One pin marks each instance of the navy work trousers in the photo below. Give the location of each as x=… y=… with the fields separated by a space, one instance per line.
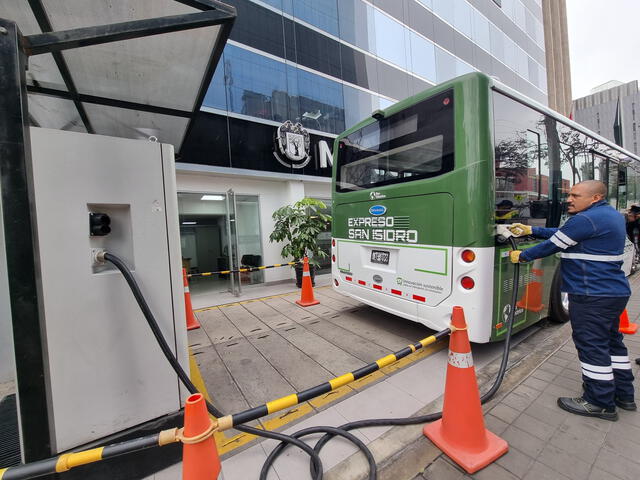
x=606 y=371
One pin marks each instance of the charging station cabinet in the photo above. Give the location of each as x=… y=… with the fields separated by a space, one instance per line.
x=104 y=371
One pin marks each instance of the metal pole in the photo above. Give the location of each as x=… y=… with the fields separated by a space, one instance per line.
x=21 y=246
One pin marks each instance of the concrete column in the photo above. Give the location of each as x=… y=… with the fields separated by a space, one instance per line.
x=556 y=37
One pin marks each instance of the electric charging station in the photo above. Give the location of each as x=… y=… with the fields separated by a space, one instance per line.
x=87 y=365
x=104 y=371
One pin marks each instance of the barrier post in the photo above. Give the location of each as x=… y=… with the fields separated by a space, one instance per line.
x=200 y=460
x=192 y=323
x=461 y=433
x=627 y=327
x=306 y=296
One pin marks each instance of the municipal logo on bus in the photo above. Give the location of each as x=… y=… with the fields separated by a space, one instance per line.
x=293 y=145
x=378 y=210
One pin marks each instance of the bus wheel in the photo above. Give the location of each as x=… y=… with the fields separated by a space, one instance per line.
x=558 y=301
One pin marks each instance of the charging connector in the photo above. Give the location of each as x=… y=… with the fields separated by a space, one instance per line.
x=503 y=234
x=97 y=257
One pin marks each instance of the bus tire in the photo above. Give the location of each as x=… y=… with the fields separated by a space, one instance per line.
x=558 y=310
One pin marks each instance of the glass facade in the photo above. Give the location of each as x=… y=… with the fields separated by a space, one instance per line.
x=329 y=63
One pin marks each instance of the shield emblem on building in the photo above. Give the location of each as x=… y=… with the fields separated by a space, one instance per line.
x=292 y=145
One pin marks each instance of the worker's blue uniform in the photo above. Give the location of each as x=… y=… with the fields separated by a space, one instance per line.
x=591 y=245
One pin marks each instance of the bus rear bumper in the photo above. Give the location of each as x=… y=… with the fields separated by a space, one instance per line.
x=437 y=318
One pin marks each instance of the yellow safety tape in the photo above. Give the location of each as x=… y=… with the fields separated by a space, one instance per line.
x=69 y=460
x=331 y=396
x=207 y=274
x=341 y=380
x=282 y=403
x=384 y=361
x=287 y=416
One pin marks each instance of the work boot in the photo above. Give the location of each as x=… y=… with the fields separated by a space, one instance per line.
x=626 y=404
x=580 y=406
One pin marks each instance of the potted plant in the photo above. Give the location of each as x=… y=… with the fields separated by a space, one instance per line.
x=298 y=226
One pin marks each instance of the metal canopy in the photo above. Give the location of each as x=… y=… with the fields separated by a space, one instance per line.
x=130 y=87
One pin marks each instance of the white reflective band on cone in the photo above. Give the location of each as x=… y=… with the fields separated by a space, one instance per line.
x=306 y=274
x=460 y=360
x=186 y=289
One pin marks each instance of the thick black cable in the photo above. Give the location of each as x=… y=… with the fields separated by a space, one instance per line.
x=330 y=432
x=166 y=350
x=432 y=416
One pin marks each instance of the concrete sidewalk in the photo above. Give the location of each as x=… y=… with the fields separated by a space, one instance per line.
x=546 y=442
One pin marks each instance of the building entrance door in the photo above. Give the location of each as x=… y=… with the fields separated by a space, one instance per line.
x=232 y=243
x=219 y=232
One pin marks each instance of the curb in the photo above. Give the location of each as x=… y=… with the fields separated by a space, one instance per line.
x=404 y=452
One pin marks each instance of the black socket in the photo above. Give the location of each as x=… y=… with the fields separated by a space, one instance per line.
x=99 y=224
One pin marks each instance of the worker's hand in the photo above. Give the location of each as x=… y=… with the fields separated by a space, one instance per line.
x=514 y=256
x=519 y=229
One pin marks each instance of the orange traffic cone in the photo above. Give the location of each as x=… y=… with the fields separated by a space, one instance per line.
x=626 y=326
x=200 y=459
x=532 y=298
x=461 y=433
x=306 y=296
x=192 y=323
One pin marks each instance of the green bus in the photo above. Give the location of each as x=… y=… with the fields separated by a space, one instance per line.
x=420 y=189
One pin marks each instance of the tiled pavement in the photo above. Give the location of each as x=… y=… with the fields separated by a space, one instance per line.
x=546 y=442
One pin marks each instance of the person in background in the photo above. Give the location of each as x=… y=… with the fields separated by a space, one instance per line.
x=633 y=223
x=591 y=244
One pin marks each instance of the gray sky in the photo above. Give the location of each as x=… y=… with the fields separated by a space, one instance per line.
x=604 y=42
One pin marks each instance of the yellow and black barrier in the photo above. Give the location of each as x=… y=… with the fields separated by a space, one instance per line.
x=67 y=461
x=242 y=270
x=230 y=421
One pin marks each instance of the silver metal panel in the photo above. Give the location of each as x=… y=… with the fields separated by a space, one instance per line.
x=141 y=70
x=41 y=68
x=104 y=369
x=161 y=71
x=55 y=113
x=120 y=122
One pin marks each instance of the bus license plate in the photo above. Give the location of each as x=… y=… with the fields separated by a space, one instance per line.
x=380 y=256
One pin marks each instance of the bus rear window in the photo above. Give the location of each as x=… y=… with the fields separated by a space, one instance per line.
x=412 y=144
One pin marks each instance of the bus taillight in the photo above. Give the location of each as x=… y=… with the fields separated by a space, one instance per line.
x=333 y=257
x=468 y=256
x=467 y=283
x=335 y=280
x=333 y=242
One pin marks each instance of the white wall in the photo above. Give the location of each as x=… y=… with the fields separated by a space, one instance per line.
x=272 y=194
x=317 y=190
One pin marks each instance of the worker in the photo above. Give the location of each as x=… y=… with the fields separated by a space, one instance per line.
x=591 y=245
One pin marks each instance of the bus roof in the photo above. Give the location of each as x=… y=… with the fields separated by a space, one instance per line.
x=515 y=95
x=508 y=91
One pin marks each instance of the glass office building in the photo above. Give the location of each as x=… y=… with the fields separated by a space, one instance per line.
x=324 y=65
